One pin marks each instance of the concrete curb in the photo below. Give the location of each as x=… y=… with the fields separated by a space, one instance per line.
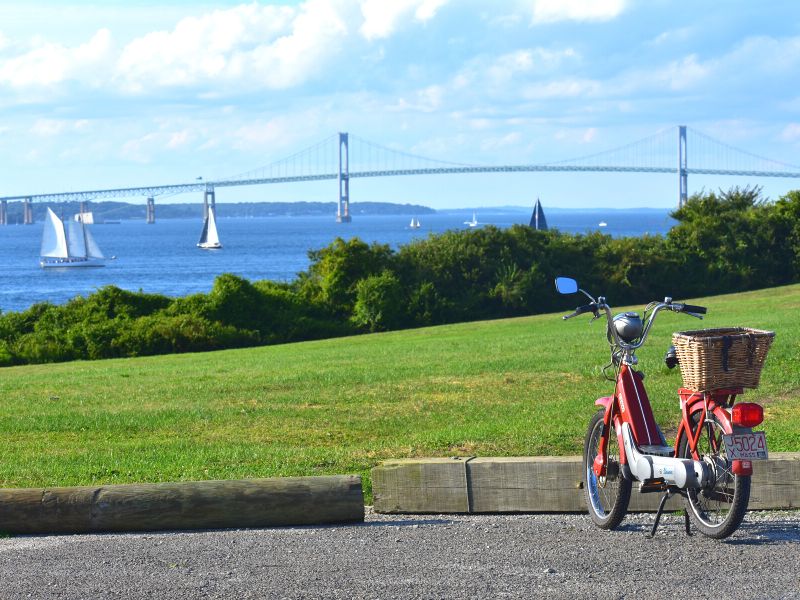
x=267 y=502
x=538 y=484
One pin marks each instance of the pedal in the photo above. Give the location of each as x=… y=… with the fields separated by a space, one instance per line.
x=653 y=485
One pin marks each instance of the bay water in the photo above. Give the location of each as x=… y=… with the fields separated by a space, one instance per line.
x=163 y=258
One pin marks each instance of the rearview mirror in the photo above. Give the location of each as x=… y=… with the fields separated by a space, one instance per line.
x=566 y=285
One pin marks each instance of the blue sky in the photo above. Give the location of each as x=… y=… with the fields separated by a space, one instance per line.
x=121 y=94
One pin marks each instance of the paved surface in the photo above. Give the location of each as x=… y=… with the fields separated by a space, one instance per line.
x=500 y=556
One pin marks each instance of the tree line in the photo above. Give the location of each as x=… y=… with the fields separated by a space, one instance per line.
x=723 y=242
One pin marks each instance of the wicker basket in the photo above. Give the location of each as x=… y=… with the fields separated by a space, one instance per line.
x=713 y=359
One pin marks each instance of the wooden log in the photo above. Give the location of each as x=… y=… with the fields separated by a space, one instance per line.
x=525 y=484
x=184 y=505
x=542 y=484
x=427 y=485
x=775 y=482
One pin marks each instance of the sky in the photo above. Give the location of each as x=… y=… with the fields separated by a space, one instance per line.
x=114 y=94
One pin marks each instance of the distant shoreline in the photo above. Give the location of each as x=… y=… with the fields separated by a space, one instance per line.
x=113 y=212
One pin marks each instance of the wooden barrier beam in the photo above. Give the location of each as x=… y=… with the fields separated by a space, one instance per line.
x=184 y=505
x=428 y=485
x=541 y=484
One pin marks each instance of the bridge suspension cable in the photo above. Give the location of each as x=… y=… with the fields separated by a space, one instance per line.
x=701 y=153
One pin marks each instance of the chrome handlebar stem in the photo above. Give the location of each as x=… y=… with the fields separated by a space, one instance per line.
x=630 y=348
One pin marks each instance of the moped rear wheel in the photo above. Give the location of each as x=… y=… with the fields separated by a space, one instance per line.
x=607 y=497
x=717 y=511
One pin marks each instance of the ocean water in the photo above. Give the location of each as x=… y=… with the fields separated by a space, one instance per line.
x=162 y=257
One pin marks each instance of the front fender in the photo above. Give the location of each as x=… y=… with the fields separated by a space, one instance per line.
x=605 y=401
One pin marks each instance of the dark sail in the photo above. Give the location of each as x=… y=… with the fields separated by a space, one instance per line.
x=537 y=218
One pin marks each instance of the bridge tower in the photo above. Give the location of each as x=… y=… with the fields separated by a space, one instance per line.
x=3 y=212
x=683 y=170
x=343 y=210
x=151 y=211
x=27 y=212
x=209 y=201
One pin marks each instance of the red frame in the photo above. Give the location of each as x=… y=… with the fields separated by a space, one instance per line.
x=630 y=404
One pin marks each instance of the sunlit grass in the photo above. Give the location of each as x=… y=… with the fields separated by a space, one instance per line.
x=511 y=387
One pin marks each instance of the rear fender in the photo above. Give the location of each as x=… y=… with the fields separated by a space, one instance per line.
x=723 y=415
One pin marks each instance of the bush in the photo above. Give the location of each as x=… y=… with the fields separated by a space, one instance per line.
x=723 y=242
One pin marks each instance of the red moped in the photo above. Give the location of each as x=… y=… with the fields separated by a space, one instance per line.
x=711 y=461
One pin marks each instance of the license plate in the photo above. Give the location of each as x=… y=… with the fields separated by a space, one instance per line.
x=746 y=446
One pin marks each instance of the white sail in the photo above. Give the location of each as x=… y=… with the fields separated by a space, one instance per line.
x=54 y=238
x=76 y=242
x=92 y=249
x=67 y=247
x=209 y=238
x=213 y=237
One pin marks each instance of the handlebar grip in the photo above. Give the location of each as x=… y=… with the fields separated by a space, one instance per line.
x=692 y=308
x=582 y=309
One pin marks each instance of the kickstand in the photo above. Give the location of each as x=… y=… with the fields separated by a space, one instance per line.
x=664 y=499
x=667 y=495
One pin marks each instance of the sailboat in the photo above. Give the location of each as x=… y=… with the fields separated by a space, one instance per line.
x=414 y=223
x=473 y=223
x=209 y=238
x=65 y=247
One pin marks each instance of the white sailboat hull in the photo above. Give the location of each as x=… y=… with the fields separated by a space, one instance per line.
x=70 y=263
x=210 y=246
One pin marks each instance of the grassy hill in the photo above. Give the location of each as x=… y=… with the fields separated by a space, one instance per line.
x=521 y=386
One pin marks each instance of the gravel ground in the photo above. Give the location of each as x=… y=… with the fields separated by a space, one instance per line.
x=422 y=556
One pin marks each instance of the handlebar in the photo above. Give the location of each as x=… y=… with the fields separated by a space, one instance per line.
x=582 y=309
x=600 y=304
x=689 y=308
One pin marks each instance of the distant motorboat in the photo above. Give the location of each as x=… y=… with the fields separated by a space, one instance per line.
x=602 y=224
x=68 y=247
x=473 y=223
x=209 y=238
x=414 y=223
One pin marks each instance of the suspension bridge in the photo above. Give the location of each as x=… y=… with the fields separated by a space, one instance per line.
x=343 y=157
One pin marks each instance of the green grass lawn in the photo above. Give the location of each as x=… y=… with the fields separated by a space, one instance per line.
x=511 y=387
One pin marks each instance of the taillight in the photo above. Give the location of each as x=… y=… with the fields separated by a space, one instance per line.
x=747 y=414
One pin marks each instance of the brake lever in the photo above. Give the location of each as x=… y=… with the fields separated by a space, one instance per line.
x=694 y=315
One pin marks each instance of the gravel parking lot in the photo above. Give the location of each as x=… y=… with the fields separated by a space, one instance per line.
x=423 y=556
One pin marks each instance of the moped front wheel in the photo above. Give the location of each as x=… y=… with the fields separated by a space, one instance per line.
x=607 y=496
x=718 y=510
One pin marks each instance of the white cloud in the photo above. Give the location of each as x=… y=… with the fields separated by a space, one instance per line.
x=426 y=100
x=495 y=143
x=535 y=60
x=382 y=17
x=141 y=149
x=250 y=45
x=791 y=133
x=679 y=75
x=672 y=36
x=47 y=63
x=179 y=138
x=46 y=127
x=563 y=88
x=552 y=11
